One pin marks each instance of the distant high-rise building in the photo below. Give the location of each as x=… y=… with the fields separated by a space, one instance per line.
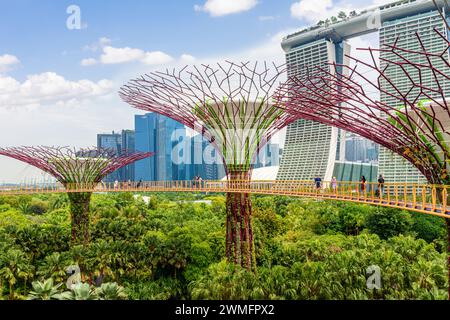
x=312 y=148
x=207 y=163
x=111 y=141
x=205 y=160
x=359 y=149
x=128 y=145
x=403 y=32
x=269 y=156
x=159 y=134
x=315 y=149
x=119 y=143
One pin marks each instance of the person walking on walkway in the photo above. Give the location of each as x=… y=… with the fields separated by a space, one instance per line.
x=380 y=186
x=334 y=184
x=318 y=182
x=363 y=184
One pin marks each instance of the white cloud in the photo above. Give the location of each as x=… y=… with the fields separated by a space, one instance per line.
x=97 y=45
x=8 y=62
x=48 y=88
x=217 y=8
x=156 y=58
x=88 y=62
x=314 y=10
x=187 y=58
x=112 y=55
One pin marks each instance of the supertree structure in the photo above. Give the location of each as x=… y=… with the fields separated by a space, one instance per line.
x=410 y=117
x=79 y=171
x=231 y=105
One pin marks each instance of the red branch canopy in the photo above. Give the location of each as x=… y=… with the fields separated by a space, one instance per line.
x=230 y=104
x=411 y=117
x=74 y=166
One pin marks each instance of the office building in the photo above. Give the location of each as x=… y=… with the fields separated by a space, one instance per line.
x=314 y=149
x=159 y=134
x=403 y=30
x=118 y=143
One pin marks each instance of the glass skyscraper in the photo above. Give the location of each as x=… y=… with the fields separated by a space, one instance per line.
x=159 y=134
x=119 y=143
x=128 y=144
x=111 y=141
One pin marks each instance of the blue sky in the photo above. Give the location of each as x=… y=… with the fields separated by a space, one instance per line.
x=35 y=31
x=59 y=86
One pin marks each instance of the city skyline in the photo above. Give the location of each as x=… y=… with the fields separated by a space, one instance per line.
x=179 y=155
x=63 y=89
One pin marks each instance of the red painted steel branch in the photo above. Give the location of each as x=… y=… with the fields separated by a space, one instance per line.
x=177 y=94
x=413 y=119
x=69 y=165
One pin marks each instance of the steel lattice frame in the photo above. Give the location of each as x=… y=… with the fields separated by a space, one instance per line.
x=416 y=126
x=79 y=171
x=230 y=104
x=69 y=165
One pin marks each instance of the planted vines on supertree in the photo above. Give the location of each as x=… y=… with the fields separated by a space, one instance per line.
x=231 y=105
x=410 y=117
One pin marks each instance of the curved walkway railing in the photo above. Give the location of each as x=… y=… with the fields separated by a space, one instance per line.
x=425 y=198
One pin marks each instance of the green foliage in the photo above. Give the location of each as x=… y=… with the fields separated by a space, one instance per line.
x=428 y=227
x=388 y=222
x=38 y=206
x=80 y=291
x=44 y=290
x=111 y=291
x=172 y=248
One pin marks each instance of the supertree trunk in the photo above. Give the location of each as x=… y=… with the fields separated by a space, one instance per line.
x=448 y=255
x=239 y=233
x=440 y=199
x=79 y=211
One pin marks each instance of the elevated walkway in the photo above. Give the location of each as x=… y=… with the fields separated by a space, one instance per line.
x=429 y=199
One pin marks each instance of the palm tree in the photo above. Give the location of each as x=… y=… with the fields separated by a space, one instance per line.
x=24 y=207
x=53 y=266
x=111 y=291
x=44 y=290
x=15 y=265
x=102 y=260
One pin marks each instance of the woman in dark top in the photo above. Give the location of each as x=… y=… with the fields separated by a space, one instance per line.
x=363 y=184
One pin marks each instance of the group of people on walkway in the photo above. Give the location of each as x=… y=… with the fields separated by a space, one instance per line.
x=197 y=181
x=363 y=184
x=129 y=184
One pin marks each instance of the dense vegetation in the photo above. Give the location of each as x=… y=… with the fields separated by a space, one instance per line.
x=173 y=248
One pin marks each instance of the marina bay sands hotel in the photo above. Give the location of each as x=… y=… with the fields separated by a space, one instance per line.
x=314 y=149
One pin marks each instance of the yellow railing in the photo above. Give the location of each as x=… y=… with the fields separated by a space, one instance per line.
x=426 y=198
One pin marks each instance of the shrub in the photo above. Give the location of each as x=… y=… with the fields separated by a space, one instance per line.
x=388 y=222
